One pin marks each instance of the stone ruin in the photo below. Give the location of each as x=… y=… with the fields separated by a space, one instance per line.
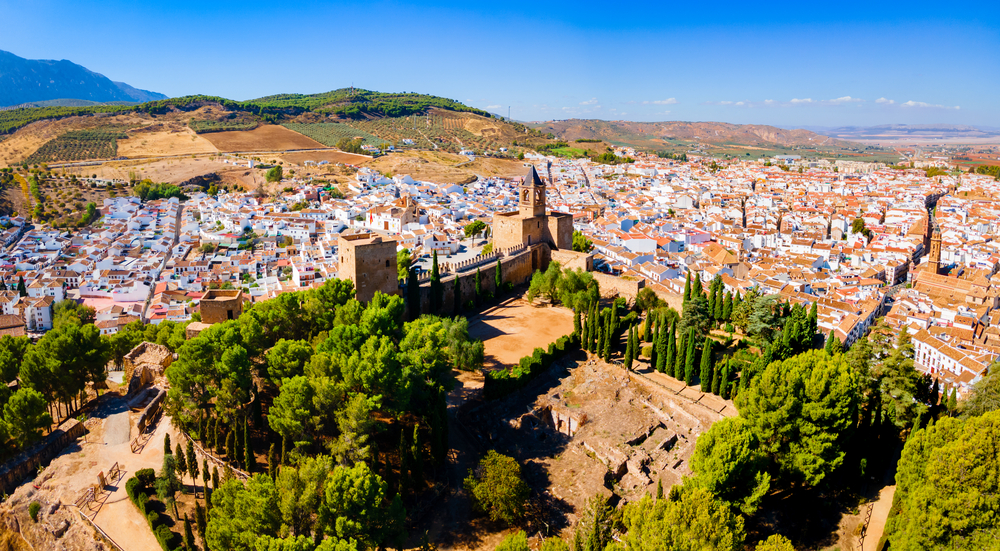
x=144 y=363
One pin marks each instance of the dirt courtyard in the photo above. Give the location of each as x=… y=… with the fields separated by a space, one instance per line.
x=514 y=329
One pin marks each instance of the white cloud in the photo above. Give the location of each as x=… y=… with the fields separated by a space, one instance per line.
x=924 y=105
x=885 y=101
x=846 y=99
x=494 y=106
x=668 y=101
x=739 y=103
x=806 y=100
x=591 y=101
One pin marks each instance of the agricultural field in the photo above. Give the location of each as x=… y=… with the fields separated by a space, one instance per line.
x=569 y=152
x=329 y=133
x=205 y=127
x=440 y=129
x=79 y=145
x=263 y=138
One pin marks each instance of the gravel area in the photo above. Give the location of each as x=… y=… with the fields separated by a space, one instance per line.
x=116 y=429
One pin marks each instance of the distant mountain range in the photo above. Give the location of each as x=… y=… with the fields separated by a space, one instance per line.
x=902 y=131
x=41 y=82
x=657 y=134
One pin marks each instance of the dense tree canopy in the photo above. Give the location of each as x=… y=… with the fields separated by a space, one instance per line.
x=497 y=488
x=948 y=487
x=694 y=522
x=728 y=463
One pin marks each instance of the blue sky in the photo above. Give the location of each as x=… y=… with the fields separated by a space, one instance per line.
x=782 y=63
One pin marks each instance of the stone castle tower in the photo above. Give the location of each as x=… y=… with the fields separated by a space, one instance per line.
x=370 y=262
x=530 y=225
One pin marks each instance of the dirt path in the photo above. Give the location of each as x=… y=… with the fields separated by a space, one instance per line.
x=880 y=513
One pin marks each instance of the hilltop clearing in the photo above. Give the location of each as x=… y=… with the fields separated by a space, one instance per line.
x=437 y=166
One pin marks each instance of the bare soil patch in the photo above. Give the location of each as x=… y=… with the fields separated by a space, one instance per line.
x=513 y=330
x=438 y=166
x=178 y=141
x=263 y=138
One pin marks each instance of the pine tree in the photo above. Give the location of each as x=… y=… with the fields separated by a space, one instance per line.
x=188 y=535
x=689 y=364
x=456 y=295
x=250 y=461
x=705 y=377
x=437 y=292
x=661 y=347
x=687 y=287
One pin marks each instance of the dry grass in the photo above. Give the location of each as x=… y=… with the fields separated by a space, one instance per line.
x=174 y=141
x=438 y=166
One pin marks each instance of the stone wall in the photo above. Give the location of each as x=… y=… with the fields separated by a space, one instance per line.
x=561 y=230
x=612 y=286
x=515 y=269
x=570 y=259
x=370 y=263
x=219 y=305
x=26 y=463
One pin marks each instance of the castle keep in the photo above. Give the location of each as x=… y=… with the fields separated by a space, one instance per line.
x=370 y=263
x=530 y=225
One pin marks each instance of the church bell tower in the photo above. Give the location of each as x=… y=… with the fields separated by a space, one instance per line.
x=532 y=195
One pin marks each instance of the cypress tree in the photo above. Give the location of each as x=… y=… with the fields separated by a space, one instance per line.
x=697 y=289
x=727 y=307
x=497 y=279
x=413 y=293
x=21 y=289
x=215 y=478
x=687 y=287
x=591 y=328
x=609 y=335
x=417 y=454
x=813 y=322
x=286 y=445
x=202 y=429
x=659 y=489
x=712 y=299
x=188 y=534
x=205 y=477
x=250 y=462
x=705 y=377
x=833 y=346
x=272 y=461
x=681 y=356
x=201 y=521
x=583 y=330
x=628 y=351
x=479 y=286
x=720 y=301
x=437 y=291
x=404 y=464
x=576 y=321
x=231 y=446
x=953 y=401
x=645 y=330
x=653 y=338
x=456 y=295
x=724 y=383
x=689 y=364
x=661 y=347
x=166 y=444
x=181 y=463
x=668 y=363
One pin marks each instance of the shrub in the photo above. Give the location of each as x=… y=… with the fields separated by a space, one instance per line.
x=146 y=477
x=503 y=382
x=131 y=486
x=33 y=509
x=647 y=351
x=164 y=537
